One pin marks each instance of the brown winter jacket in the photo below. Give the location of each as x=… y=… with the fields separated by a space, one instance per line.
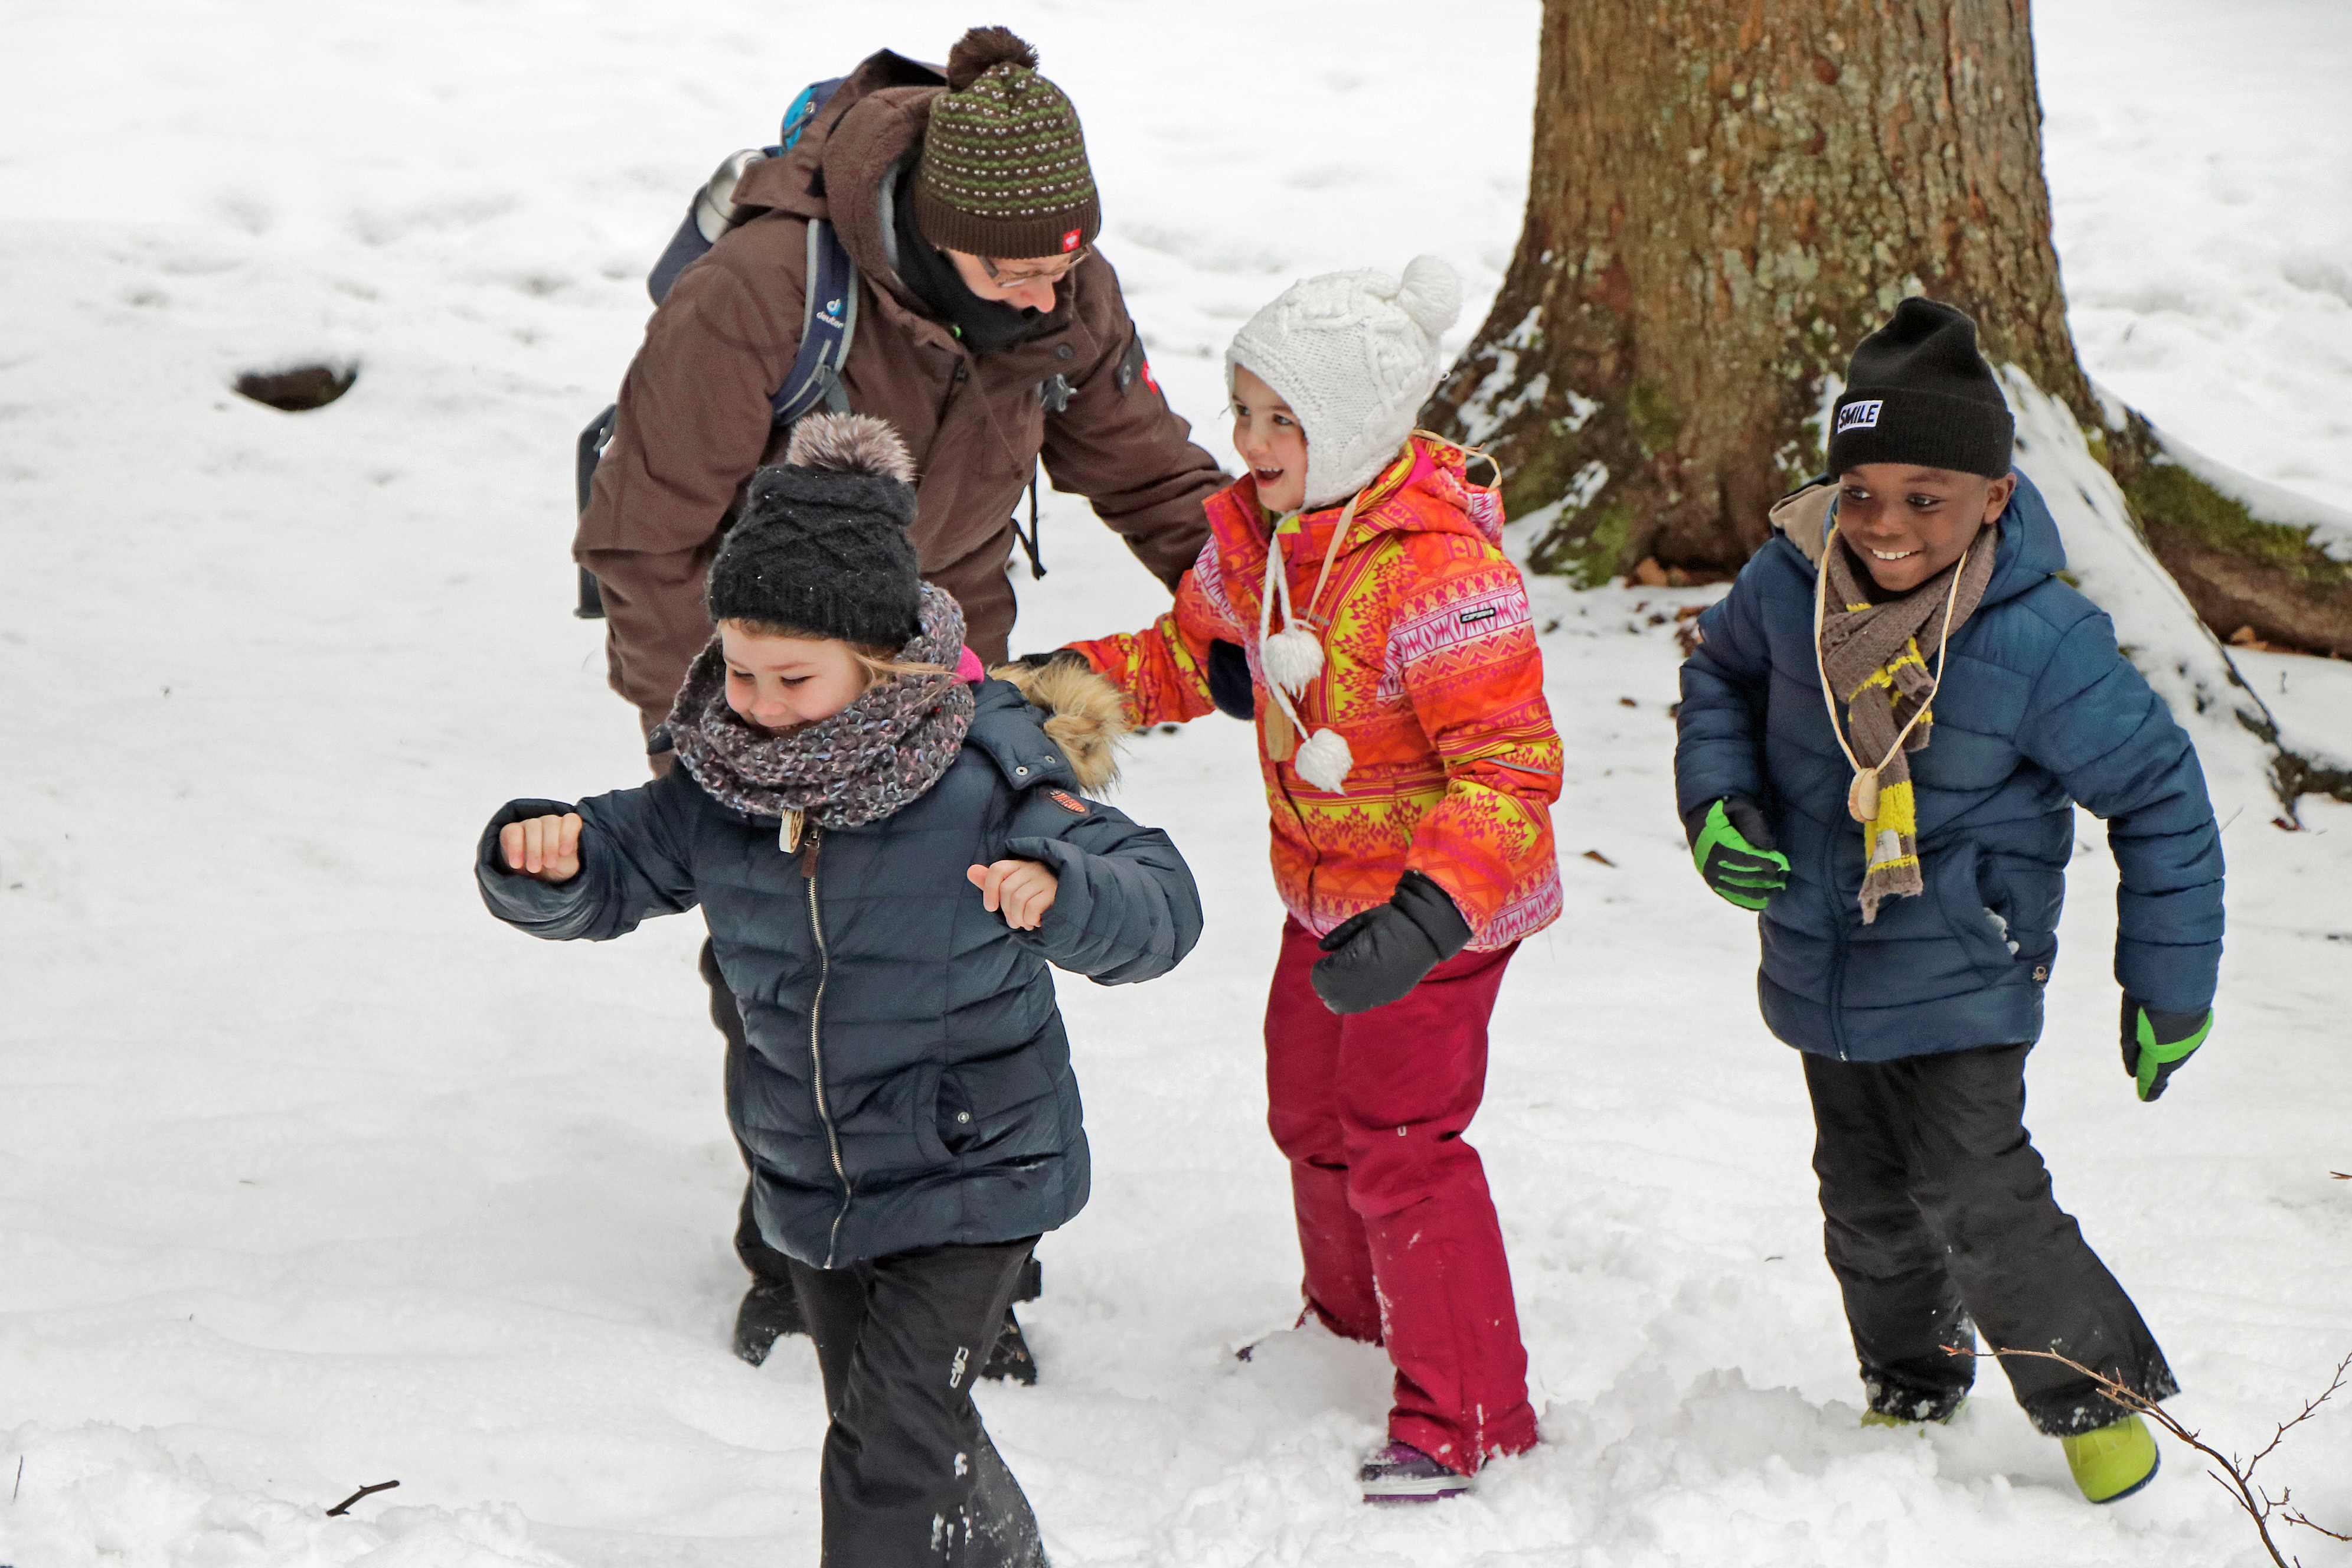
x=695 y=421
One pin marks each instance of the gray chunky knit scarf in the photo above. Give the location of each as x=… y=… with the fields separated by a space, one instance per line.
x=875 y=757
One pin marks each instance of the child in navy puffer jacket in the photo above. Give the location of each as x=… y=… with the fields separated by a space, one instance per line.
x=889 y=850
x=1884 y=733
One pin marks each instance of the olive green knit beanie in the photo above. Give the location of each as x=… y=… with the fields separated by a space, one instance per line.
x=1004 y=170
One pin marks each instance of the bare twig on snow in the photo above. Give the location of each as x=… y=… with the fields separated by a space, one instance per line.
x=344 y=1507
x=2233 y=1476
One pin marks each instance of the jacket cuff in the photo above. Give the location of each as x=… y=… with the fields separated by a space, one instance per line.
x=1069 y=921
x=519 y=897
x=2169 y=979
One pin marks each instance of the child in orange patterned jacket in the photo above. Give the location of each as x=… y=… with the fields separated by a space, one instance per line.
x=1411 y=763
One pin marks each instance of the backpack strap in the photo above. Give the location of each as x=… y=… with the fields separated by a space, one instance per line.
x=828 y=324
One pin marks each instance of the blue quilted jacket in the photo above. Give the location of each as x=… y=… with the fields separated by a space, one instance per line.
x=2039 y=711
x=909 y=1083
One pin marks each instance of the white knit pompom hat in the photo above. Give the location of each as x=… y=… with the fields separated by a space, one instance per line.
x=1355 y=355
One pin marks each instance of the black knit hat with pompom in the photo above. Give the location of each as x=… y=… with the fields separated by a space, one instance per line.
x=820 y=546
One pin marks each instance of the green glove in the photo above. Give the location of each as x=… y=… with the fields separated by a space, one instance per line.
x=2156 y=1043
x=1735 y=852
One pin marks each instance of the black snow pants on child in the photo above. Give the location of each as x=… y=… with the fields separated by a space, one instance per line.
x=909 y=1477
x=1941 y=1225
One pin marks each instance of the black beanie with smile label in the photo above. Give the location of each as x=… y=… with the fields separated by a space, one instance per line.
x=1918 y=392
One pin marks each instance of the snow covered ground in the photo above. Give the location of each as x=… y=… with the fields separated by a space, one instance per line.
x=310 y=1176
x=2200 y=161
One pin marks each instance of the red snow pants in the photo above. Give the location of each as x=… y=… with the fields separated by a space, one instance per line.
x=1397 y=1230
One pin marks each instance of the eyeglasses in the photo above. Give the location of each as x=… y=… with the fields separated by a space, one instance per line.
x=1004 y=279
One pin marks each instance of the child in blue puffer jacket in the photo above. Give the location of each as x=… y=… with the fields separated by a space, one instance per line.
x=889 y=850
x=1884 y=733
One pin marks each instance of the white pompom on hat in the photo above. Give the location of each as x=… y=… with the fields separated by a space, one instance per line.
x=1355 y=355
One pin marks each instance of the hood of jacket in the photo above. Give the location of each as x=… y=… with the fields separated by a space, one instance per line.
x=1085 y=715
x=2029 y=552
x=1425 y=491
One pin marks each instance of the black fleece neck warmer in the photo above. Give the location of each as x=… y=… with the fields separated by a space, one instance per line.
x=984 y=325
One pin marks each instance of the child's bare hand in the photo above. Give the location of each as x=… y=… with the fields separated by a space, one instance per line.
x=1022 y=889
x=547 y=847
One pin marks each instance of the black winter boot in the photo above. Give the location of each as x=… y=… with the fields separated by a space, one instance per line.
x=1011 y=1361
x=1001 y=1514
x=770 y=1311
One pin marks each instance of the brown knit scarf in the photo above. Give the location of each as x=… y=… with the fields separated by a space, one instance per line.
x=1870 y=663
x=873 y=758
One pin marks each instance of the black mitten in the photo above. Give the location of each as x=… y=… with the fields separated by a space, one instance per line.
x=1048 y=660
x=1380 y=955
x=1229 y=680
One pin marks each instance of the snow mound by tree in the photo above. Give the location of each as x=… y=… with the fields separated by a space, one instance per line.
x=2155 y=624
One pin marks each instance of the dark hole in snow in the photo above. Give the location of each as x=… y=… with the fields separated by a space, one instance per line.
x=299 y=388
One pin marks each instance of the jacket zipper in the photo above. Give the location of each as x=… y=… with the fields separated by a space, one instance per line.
x=1837 y=951
x=816 y=1052
x=1298 y=818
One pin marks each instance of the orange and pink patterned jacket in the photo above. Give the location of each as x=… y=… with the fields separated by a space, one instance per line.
x=1431 y=673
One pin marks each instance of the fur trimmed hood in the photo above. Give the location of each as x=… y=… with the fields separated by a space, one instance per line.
x=1089 y=717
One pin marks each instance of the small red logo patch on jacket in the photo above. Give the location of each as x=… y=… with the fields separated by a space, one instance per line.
x=1067 y=801
x=1150 y=380
x=1070 y=240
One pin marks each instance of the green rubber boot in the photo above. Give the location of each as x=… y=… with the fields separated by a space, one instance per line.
x=2114 y=1461
x=1881 y=1419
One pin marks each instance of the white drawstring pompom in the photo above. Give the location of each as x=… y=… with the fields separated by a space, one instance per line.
x=1324 y=760
x=1291 y=657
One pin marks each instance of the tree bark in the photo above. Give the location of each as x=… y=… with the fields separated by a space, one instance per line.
x=1726 y=196
x=1724 y=199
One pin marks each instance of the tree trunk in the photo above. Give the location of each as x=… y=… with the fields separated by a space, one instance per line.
x=1726 y=196
x=1724 y=199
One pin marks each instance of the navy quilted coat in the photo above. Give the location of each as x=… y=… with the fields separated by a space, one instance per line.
x=909 y=1080
x=2039 y=711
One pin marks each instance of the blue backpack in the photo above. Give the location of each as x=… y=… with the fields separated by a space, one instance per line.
x=828 y=313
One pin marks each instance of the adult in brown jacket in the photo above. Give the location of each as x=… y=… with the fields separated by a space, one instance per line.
x=969 y=215
x=964 y=373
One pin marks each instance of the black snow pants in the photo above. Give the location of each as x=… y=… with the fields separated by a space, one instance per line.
x=764 y=1261
x=1940 y=1224
x=909 y=1476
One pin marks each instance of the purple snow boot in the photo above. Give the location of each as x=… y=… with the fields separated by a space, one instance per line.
x=1402 y=1473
